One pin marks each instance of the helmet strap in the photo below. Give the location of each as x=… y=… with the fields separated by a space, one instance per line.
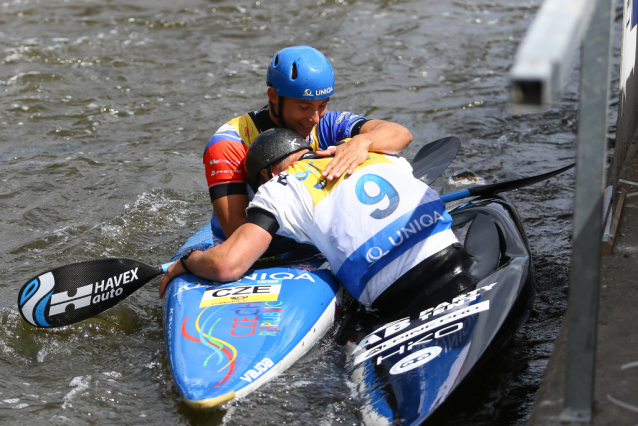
x=279 y=115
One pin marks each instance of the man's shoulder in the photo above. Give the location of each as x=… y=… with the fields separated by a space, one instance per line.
x=259 y=120
x=276 y=194
x=238 y=123
x=281 y=184
x=242 y=129
x=338 y=125
x=338 y=117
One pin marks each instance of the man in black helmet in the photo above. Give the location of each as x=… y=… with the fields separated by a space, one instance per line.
x=300 y=82
x=380 y=228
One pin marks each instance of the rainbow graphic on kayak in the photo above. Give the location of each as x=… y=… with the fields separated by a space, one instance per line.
x=221 y=350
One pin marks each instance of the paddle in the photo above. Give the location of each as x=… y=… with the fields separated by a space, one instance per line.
x=434 y=158
x=75 y=292
x=78 y=291
x=495 y=188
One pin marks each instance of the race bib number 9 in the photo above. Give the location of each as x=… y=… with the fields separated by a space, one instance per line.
x=373 y=189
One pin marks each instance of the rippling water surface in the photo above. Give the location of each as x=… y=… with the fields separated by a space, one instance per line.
x=106 y=108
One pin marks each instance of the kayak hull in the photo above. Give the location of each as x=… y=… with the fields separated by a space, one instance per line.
x=225 y=340
x=407 y=365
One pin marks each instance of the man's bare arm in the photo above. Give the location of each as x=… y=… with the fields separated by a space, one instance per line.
x=231 y=212
x=375 y=135
x=225 y=262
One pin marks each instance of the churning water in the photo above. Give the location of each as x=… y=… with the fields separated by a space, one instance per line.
x=105 y=111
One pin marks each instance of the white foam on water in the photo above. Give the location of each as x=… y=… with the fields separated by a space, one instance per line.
x=230 y=410
x=79 y=384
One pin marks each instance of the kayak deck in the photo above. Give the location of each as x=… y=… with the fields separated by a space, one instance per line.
x=226 y=340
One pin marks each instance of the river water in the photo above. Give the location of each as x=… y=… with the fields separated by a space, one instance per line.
x=106 y=108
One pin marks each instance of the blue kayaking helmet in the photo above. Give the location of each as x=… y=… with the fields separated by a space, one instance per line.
x=301 y=72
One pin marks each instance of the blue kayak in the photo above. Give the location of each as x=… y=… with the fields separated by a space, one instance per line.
x=226 y=340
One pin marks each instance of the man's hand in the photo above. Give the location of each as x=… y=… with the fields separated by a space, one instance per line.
x=225 y=262
x=348 y=156
x=174 y=270
x=375 y=135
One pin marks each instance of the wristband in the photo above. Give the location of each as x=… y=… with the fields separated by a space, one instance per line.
x=185 y=256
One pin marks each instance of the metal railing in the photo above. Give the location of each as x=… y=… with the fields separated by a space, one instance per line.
x=546 y=54
x=542 y=62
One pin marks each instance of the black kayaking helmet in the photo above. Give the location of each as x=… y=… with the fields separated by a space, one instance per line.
x=268 y=148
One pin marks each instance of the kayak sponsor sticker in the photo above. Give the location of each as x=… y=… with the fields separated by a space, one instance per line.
x=270 y=319
x=261 y=291
x=448 y=320
x=417 y=332
x=169 y=326
x=415 y=360
x=186 y=287
x=257 y=277
x=260 y=368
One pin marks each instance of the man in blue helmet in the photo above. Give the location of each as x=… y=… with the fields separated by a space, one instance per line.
x=300 y=82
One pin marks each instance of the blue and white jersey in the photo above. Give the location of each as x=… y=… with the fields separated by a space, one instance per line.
x=372 y=226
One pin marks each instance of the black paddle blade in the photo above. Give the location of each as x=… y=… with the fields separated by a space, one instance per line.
x=434 y=158
x=75 y=292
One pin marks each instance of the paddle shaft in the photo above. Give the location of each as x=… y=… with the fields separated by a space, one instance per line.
x=501 y=187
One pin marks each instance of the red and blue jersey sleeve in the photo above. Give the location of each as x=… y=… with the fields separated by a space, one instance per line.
x=224 y=157
x=335 y=126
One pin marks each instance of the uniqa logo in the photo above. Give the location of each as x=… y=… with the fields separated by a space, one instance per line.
x=416 y=225
x=324 y=91
x=321 y=92
x=375 y=253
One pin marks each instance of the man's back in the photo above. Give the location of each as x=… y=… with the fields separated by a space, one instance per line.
x=372 y=226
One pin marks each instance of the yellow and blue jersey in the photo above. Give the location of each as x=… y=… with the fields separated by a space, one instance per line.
x=225 y=154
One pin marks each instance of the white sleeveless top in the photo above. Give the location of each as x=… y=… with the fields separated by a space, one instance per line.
x=372 y=226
